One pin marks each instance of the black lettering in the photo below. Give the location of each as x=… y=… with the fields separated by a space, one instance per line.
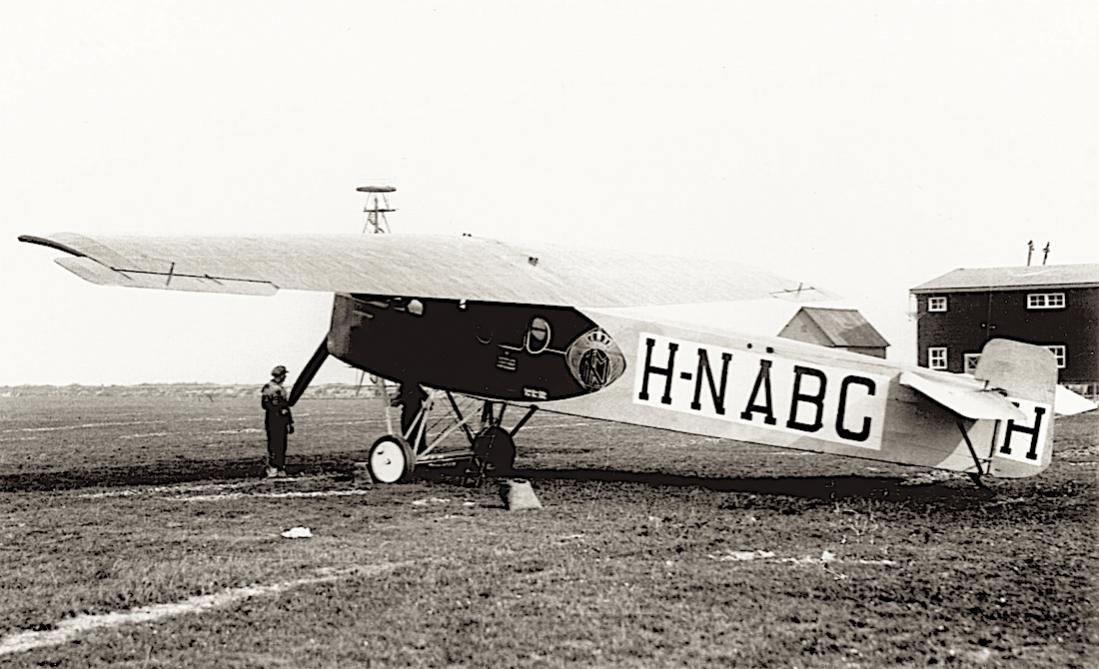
x=799 y=397
x=1012 y=428
x=763 y=379
x=666 y=372
x=864 y=432
x=717 y=395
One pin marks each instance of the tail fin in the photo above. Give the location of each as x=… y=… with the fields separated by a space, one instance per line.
x=1027 y=374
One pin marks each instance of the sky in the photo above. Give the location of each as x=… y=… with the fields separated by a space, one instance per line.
x=865 y=147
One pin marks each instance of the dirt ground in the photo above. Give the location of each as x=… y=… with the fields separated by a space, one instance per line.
x=653 y=549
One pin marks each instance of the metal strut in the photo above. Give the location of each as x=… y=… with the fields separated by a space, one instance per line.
x=523 y=421
x=975 y=476
x=309 y=371
x=972 y=451
x=420 y=430
x=461 y=420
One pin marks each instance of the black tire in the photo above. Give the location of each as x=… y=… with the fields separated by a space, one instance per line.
x=495 y=447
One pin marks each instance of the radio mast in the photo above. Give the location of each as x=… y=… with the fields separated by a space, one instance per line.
x=377 y=206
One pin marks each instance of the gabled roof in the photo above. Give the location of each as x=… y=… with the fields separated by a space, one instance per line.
x=1014 y=278
x=845 y=327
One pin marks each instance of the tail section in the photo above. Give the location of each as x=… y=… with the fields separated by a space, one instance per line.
x=1027 y=374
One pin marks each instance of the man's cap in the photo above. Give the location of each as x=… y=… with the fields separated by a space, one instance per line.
x=278 y=371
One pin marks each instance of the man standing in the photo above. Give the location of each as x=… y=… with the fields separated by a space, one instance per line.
x=277 y=421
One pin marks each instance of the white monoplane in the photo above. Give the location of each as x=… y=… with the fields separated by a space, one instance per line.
x=560 y=328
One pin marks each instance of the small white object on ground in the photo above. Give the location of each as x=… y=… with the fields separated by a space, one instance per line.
x=741 y=556
x=826 y=557
x=298 y=533
x=518 y=495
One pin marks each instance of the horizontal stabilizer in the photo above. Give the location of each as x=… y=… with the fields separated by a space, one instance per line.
x=1068 y=403
x=970 y=402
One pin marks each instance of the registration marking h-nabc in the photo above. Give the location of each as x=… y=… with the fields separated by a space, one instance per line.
x=770 y=392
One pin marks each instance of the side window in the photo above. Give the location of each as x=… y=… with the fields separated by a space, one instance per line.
x=538 y=336
x=1061 y=353
x=936 y=357
x=936 y=303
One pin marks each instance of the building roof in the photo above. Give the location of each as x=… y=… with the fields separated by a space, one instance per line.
x=1013 y=278
x=845 y=327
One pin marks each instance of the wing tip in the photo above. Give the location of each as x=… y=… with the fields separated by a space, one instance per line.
x=53 y=244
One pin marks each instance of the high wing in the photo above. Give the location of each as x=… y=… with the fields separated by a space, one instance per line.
x=418 y=265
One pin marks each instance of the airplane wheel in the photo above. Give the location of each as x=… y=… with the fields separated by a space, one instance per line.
x=496 y=448
x=390 y=460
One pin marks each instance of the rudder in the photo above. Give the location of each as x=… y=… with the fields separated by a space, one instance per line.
x=1027 y=374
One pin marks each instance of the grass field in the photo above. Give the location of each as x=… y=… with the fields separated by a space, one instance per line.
x=654 y=549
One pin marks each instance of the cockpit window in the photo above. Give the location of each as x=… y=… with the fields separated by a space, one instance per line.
x=538 y=335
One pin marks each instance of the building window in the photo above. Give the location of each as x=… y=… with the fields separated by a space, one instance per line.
x=1045 y=301
x=936 y=303
x=1060 y=352
x=936 y=357
x=971 y=360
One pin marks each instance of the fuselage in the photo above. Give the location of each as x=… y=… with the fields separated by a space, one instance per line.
x=493 y=350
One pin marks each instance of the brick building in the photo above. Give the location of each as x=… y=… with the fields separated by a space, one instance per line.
x=1056 y=306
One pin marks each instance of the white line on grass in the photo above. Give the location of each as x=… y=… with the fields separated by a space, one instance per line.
x=167 y=490
x=548 y=426
x=56 y=428
x=152 y=490
x=297 y=493
x=70 y=628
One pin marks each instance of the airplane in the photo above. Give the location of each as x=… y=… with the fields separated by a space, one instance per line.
x=571 y=331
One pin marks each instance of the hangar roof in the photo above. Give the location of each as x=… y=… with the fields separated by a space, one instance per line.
x=1013 y=278
x=845 y=327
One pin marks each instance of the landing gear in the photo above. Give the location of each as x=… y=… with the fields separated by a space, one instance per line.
x=494 y=446
x=411 y=441
x=390 y=460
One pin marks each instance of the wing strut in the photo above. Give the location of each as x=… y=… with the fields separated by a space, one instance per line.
x=309 y=371
x=523 y=421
